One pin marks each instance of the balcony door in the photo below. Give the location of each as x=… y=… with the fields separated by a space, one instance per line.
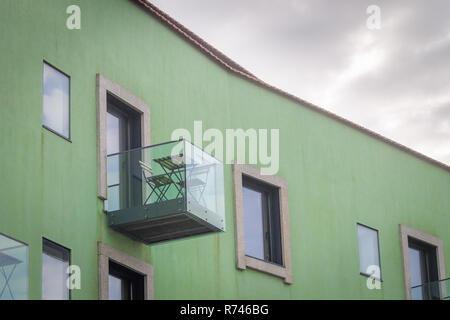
x=123 y=127
x=423 y=267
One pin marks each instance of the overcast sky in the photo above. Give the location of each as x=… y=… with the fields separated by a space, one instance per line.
x=395 y=80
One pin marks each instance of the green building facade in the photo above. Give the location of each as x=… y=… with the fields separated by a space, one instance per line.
x=335 y=176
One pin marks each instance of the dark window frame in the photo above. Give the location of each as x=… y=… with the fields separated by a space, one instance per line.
x=69 y=138
x=378 y=251
x=430 y=262
x=271 y=217
x=57 y=246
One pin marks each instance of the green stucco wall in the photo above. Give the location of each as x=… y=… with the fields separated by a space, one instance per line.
x=337 y=176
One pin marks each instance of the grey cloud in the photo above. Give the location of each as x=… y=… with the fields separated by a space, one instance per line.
x=307 y=47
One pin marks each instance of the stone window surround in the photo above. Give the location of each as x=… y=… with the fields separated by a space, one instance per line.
x=107 y=253
x=408 y=232
x=243 y=261
x=104 y=87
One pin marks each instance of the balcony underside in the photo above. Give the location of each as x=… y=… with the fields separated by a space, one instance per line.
x=158 y=222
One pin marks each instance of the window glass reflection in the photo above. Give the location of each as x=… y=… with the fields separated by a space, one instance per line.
x=55 y=115
x=13 y=269
x=253 y=223
x=368 y=248
x=115 y=288
x=415 y=267
x=55 y=261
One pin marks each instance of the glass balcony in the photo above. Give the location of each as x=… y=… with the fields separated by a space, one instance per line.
x=166 y=191
x=436 y=290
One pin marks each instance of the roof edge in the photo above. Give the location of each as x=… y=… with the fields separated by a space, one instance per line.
x=234 y=67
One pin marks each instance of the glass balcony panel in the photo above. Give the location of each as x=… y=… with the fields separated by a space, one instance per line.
x=173 y=181
x=436 y=290
x=416 y=293
x=204 y=184
x=113 y=203
x=445 y=289
x=13 y=269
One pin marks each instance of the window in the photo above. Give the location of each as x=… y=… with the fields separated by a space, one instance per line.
x=369 y=256
x=262 y=230
x=124 y=284
x=423 y=263
x=55 y=262
x=262 y=222
x=123 y=277
x=109 y=138
x=423 y=268
x=56 y=105
x=13 y=269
